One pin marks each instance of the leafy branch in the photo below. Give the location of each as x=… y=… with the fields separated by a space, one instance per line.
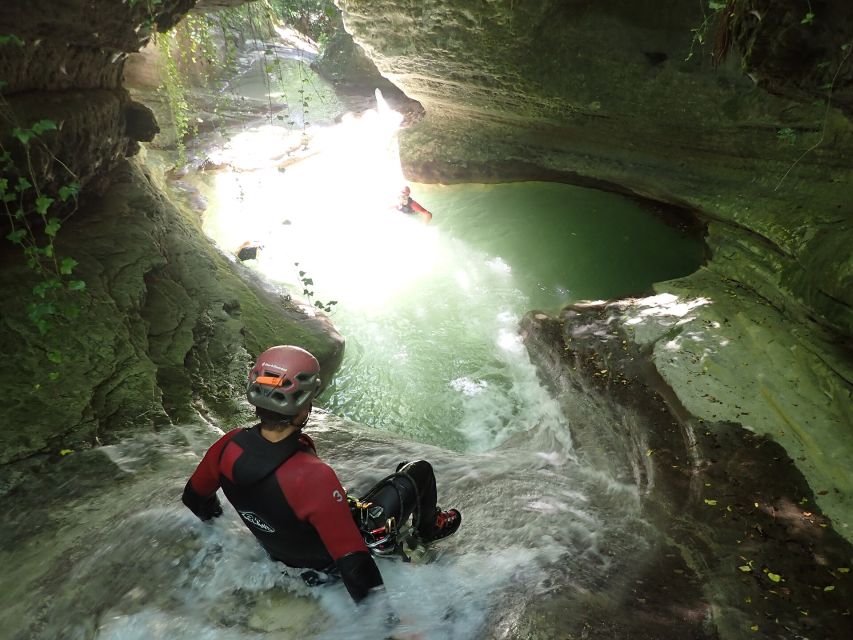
x=846 y=49
x=308 y=291
x=35 y=216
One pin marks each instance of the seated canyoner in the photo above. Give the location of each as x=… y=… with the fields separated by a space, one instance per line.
x=294 y=503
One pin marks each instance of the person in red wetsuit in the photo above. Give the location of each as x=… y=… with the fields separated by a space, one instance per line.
x=409 y=206
x=290 y=499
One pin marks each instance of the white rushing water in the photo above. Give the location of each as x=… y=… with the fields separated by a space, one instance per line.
x=127 y=561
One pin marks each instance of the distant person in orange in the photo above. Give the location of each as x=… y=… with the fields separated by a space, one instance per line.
x=410 y=207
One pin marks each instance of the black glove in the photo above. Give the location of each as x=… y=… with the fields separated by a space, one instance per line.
x=204 y=508
x=211 y=508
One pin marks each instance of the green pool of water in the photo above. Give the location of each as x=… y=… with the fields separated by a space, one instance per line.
x=440 y=360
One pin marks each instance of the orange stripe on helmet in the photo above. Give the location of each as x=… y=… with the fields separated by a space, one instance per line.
x=275 y=381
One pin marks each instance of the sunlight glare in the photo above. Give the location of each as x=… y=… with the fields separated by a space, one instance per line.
x=332 y=211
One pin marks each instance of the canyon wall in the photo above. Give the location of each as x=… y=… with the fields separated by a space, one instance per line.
x=117 y=312
x=757 y=143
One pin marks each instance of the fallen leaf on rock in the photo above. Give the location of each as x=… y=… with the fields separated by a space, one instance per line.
x=774 y=577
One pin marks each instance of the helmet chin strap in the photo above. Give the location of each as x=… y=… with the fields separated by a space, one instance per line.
x=304 y=420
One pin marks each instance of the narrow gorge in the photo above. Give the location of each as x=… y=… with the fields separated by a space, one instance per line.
x=671 y=463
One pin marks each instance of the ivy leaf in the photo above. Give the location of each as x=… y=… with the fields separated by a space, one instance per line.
x=52 y=227
x=16 y=236
x=67 y=266
x=808 y=18
x=11 y=38
x=711 y=503
x=69 y=191
x=41 y=289
x=43 y=125
x=76 y=285
x=23 y=185
x=716 y=6
x=745 y=568
x=55 y=357
x=843 y=569
x=307 y=281
x=23 y=135
x=43 y=204
x=829 y=588
x=774 y=577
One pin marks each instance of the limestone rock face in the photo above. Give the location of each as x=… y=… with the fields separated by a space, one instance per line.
x=603 y=91
x=166 y=326
x=166 y=323
x=64 y=63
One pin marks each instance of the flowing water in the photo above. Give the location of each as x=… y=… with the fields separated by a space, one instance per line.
x=434 y=367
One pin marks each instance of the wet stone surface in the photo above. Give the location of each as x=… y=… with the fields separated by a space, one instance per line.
x=746 y=551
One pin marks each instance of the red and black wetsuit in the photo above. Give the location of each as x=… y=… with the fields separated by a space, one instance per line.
x=410 y=206
x=290 y=499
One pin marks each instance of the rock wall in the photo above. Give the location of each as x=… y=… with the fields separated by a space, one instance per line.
x=165 y=329
x=760 y=148
x=166 y=325
x=741 y=527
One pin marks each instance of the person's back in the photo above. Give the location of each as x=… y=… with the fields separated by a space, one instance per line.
x=290 y=499
x=280 y=506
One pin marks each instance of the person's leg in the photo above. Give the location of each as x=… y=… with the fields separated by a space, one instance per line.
x=410 y=491
x=420 y=473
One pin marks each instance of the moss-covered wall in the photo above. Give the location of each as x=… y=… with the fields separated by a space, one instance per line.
x=166 y=326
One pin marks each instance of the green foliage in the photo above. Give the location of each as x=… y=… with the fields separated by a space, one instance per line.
x=308 y=291
x=787 y=135
x=35 y=218
x=176 y=93
x=700 y=33
x=314 y=18
x=11 y=39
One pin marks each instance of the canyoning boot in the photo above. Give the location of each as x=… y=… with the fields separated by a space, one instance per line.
x=446 y=524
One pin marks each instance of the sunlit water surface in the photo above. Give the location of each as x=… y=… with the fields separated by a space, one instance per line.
x=430 y=312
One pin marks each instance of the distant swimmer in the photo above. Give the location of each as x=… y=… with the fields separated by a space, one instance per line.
x=410 y=207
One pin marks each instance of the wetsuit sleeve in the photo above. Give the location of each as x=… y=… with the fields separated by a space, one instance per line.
x=200 y=491
x=323 y=503
x=417 y=207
